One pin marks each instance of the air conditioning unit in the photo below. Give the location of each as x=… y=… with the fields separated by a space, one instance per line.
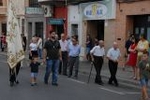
x=48 y=11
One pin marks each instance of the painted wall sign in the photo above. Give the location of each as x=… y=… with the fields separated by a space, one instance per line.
x=95 y=10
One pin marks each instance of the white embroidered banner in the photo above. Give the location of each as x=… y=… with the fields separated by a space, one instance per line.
x=15 y=51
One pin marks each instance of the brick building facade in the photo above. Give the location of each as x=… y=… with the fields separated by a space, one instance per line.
x=131 y=18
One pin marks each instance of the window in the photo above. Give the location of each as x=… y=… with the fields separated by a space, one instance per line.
x=74 y=29
x=1 y=2
x=33 y=3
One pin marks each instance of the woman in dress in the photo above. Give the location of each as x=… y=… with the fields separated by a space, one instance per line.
x=133 y=58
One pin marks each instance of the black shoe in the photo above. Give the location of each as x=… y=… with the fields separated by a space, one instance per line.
x=116 y=84
x=32 y=84
x=35 y=84
x=17 y=82
x=99 y=83
x=76 y=77
x=11 y=84
x=65 y=74
x=69 y=76
x=110 y=83
x=55 y=84
x=46 y=82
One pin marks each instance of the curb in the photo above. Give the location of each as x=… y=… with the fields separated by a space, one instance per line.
x=121 y=81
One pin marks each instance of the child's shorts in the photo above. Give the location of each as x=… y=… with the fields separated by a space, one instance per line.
x=144 y=81
x=33 y=74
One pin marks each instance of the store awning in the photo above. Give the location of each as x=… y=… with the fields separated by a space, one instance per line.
x=56 y=21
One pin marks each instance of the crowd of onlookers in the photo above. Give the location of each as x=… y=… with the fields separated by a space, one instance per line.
x=137 y=56
x=137 y=51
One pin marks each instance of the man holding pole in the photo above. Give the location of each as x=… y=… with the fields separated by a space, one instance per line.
x=97 y=54
x=15 y=52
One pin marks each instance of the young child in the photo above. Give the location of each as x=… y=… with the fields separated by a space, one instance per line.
x=144 y=72
x=34 y=70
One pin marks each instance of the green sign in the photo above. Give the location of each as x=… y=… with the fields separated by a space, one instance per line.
x=55 y=21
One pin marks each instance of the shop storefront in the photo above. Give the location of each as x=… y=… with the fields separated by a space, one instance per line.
x=58 y=22
x=34 y=22
x=135 y=18
x=132 y=18
x=97 y=20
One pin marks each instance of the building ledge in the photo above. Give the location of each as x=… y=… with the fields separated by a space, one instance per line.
x=3 y=10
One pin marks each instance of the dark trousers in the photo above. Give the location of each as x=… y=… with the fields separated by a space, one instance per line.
x=2 y=46
x=14 y=72
x=63 y=64
x=98 y=63
x=113 y=66
x=73 y=62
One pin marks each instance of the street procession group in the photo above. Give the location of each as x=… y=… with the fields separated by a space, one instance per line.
x=62 y=56
x=67 y=51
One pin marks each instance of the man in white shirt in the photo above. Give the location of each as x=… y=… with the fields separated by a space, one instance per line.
x=97 y=54
x=64 y=50
x=113 y=56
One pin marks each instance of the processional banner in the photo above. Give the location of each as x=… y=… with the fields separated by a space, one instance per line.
x=15 y=51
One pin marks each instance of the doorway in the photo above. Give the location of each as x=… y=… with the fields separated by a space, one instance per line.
x=100 y=29
x=4 y=28
x=39 y=29
x=141 y=25
x=74 y=29
x=29 y=32
x=96 y=29
x=59 y=29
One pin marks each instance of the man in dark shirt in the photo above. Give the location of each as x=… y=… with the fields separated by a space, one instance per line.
x=52 y=55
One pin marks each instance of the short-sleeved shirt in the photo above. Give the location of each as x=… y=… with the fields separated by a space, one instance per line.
x=98 y=51
x=64 y=45
x=89 y=45
x=34 y=67
x=74 y=50
x=39 y=44
x=144 y=67
x=33 y=46
x=142 y=45
x=113 y=54
x=52 y=48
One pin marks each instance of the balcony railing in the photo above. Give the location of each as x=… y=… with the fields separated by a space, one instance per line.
x=58 y=2
x=126 y=1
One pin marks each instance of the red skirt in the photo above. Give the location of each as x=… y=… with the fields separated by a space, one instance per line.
x=132 y=59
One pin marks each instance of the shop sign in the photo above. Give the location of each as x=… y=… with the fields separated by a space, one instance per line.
x=34 y=10
x=56 y=21
x=95 y=10
x=105 y=9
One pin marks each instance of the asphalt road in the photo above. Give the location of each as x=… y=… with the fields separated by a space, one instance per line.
x=68 y=89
